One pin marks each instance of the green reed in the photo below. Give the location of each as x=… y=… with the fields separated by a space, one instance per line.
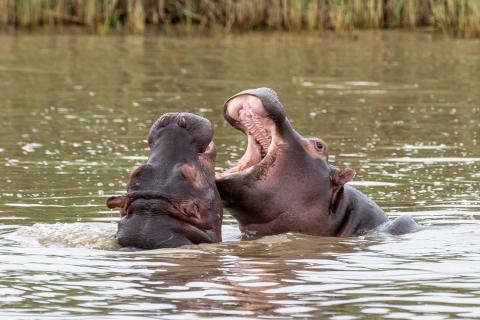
x=455 y=17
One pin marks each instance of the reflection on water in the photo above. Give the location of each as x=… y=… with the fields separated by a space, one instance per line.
x=402 y=109
x=285 y=275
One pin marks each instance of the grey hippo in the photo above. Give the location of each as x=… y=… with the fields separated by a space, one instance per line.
x=172 y=200
x=284 y=182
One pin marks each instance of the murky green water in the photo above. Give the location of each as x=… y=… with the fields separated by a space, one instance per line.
x=402 y=109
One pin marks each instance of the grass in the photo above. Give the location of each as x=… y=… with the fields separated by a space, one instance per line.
x=455 y=17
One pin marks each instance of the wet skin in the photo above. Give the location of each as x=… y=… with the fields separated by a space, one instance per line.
x=284 y=183
x=172 y=200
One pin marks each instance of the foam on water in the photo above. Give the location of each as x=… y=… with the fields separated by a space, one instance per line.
x=91 y=235
x=68 y=235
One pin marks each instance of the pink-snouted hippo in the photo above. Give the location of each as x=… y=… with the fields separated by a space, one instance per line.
x=284 y=183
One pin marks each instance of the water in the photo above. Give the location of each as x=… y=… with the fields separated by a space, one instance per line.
x=402 y=109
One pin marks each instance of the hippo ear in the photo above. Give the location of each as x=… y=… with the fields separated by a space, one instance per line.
x=116 y=202
x=192 y=175
x=339 y=178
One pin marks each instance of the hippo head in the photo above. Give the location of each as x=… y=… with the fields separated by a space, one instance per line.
x=282 y=177
x=172 y=200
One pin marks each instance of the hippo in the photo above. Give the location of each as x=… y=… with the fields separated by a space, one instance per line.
x=284 y=182
x=172 y=200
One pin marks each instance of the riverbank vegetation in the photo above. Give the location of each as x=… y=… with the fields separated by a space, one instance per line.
x=455 y=17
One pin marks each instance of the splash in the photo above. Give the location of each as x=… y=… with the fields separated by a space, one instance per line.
x=69 y=235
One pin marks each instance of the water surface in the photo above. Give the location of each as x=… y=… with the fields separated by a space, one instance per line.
x=402 y=109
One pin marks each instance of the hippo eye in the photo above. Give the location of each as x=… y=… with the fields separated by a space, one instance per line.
x=319 y=146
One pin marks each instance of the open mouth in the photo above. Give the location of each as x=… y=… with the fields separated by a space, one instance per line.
x=247 y=114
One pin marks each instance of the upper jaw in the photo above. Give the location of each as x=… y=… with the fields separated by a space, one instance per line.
x=248 y=114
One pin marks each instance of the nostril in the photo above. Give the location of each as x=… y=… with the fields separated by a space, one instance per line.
x=164 y=121
x=182 y=122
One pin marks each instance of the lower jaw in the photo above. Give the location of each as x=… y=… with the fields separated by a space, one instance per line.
x=256 y=170
x=224 y=175
x=227 y=173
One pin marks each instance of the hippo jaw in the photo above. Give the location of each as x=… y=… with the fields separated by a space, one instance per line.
x=248 y=114
x=261 y=117
x=172 y=200
x=151 y=220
